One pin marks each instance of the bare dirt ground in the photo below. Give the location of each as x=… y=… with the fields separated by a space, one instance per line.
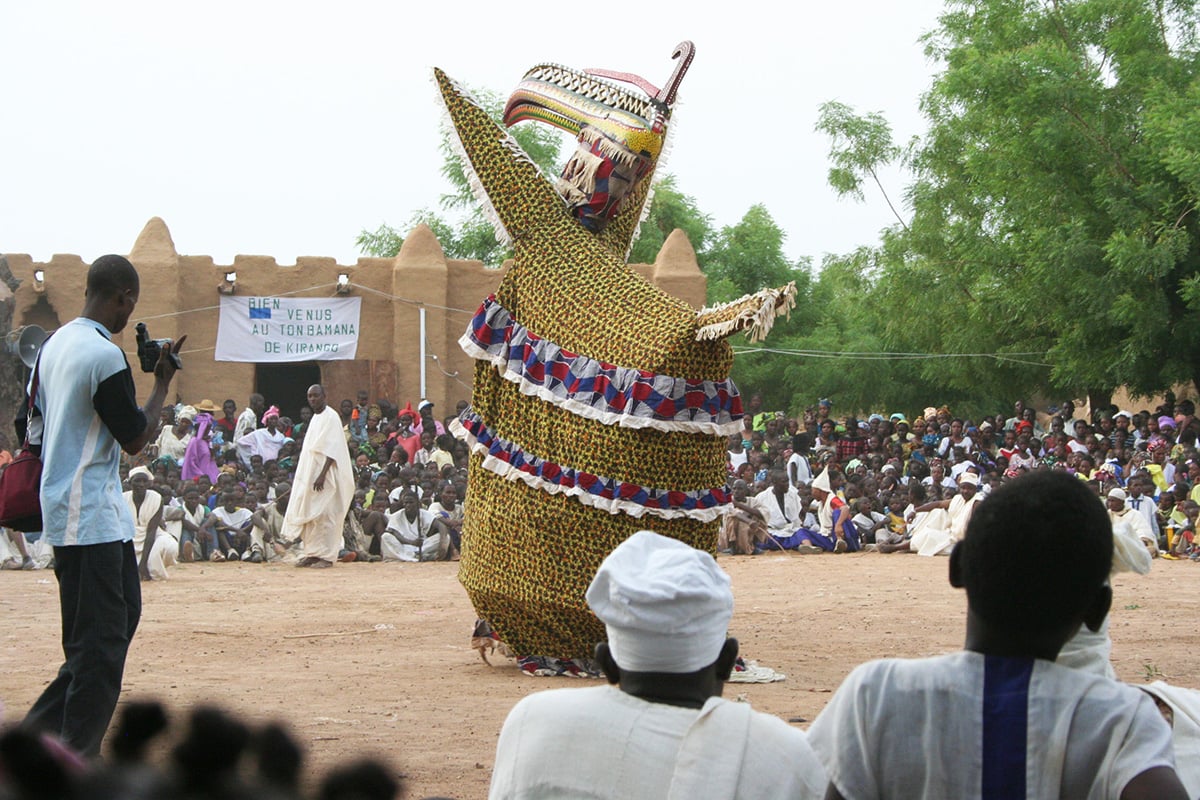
x=374 y=659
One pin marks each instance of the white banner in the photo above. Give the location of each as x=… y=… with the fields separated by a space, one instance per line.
x=277 y=329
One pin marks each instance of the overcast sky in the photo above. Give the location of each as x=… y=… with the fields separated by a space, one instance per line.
x=283 y=129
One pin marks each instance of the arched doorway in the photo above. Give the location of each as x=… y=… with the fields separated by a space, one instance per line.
x=286 y=385
x=41 y=313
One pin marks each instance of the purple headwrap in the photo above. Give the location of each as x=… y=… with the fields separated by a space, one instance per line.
x=197 y=458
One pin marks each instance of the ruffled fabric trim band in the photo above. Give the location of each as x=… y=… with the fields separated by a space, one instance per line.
x=506 y=459
x=596 y=390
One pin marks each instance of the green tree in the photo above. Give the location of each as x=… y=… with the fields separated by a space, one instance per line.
x=747 y=257
x=1052 y=201
x=670 y=209
x=744 y=258
x=859 y=147
x=834 y=346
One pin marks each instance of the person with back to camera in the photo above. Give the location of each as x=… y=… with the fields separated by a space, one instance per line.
x=1000 y=719
x=88 y=415
x=661 y=730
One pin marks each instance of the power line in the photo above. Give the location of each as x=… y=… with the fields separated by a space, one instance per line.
x=892 y=356
x=410 y=301
x=826 y=354
x=213 y=308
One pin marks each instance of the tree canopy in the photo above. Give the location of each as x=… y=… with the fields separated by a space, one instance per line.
x=1052 y=201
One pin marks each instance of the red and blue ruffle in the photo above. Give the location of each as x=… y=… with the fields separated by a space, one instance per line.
x=607 y=393
x=508 y=460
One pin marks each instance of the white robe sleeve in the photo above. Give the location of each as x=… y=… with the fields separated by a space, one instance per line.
x=842 y=736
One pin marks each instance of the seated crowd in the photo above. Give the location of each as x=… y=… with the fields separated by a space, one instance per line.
x=215 y=487
x=893 y=484
x=219 y=481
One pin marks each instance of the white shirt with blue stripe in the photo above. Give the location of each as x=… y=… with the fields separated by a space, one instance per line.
x=87 y=403
x=976 y=727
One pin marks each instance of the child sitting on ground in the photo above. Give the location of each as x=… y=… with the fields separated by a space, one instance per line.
x=868 y=521
x=1185 y=537
x=890 y=536
x=1000 y=718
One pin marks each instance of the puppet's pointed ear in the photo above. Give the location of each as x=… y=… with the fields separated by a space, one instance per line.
x=754 y=314
x=512 y=190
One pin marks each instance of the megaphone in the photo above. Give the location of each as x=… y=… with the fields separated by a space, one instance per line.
x=25 y=342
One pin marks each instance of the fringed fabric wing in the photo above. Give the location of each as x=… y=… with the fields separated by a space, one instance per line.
x=755 y=314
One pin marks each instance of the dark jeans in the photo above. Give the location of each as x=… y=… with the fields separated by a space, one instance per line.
x=101 y=597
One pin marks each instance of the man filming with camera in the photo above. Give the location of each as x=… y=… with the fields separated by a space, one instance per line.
x=86 y=413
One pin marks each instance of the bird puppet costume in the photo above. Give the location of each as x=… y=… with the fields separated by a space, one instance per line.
x=601 y=403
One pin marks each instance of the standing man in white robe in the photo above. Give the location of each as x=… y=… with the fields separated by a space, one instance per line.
x=323 y=488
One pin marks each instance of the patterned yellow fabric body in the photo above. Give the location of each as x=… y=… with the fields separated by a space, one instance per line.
x=528 y=555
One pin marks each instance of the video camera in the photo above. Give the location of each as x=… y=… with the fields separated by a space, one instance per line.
x=148 y=350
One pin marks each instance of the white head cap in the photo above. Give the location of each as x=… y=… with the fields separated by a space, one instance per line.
x=1117 y=494
x=968 y=477
x=666 y=605
x=822 y=482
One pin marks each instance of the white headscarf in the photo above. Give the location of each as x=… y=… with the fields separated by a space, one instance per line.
x=666 y=605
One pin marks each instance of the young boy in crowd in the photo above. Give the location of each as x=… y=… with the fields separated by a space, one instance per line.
x=1000 y=718
x=894 y=532
x=1185 y=537
x=231 y=523
x=868 y=521
x=184 y=519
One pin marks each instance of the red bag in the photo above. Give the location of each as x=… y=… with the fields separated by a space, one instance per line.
x=21 y=480
x=20 y=484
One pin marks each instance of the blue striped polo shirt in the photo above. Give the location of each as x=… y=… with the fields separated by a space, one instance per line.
x=88 y=407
